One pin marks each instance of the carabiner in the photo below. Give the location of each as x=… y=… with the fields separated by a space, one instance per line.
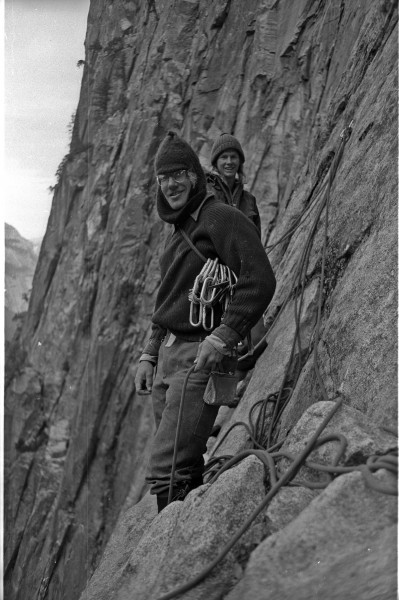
x=212 y=318
x=198 y=316
x=232 y=276
x=194 y=295
x=222 y=273
x=208 y=266
x=205 y=298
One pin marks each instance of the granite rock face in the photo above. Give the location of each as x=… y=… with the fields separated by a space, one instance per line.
x=286 y=78
x=293 y=547
x=341 y=546
x=185 y=537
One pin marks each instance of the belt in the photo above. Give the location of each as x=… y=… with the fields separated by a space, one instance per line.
x=185 y=337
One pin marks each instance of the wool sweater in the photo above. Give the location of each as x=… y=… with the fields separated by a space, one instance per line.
x=217 y=230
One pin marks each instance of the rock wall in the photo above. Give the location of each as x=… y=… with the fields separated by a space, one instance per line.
x=331 y=543
x=286 y=78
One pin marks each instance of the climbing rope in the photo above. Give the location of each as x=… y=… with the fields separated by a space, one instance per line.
x=297 y=292
x=276 y=485
x=278 y=479
x=281 y=398
x=177 y=435
x=262 y=436
x=310 y=202
x=257 y=430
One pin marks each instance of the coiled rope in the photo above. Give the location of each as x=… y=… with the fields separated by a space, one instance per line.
x=286 y=477
x=297 y=291
x=262 y=437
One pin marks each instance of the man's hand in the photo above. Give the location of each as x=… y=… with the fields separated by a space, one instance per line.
x=207 y=357
x=144 y=377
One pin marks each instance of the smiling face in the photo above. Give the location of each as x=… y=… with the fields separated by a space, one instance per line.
x=176 y=188
x=228 y=164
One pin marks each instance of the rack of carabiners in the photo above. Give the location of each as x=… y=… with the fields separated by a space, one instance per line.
x=215 y=284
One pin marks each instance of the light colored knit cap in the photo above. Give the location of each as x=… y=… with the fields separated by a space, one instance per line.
x=224 y=142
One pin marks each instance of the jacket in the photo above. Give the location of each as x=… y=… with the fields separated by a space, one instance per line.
x=239 y=198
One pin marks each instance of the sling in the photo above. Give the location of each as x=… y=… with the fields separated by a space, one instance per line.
x=189 y=242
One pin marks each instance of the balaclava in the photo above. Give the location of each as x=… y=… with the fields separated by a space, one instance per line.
x=225 y=142
x=174 y=154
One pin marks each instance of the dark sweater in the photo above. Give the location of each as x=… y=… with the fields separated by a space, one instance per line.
x=217 y=230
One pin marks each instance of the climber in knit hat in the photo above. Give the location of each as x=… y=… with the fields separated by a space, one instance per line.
x=176 y=342
x=226 y=179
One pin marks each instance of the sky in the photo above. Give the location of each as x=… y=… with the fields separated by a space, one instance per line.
x=44 y=40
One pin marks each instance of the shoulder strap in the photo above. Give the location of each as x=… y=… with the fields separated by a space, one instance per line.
x=190 y=243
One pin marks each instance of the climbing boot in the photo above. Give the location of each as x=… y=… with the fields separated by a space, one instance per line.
x=180 y=491
x=196 y=482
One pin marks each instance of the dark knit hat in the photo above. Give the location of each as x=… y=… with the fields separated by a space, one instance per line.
x=174 y=154
x=225 y=142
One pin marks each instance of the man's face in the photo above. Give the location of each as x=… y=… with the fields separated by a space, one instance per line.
x=228 y=163
x=176 y=188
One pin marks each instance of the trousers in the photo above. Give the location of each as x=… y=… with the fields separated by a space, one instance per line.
x=197 y=418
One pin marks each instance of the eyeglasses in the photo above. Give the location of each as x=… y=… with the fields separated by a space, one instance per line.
x=177 y=176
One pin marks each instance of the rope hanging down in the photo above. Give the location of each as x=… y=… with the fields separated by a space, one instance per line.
x=276 y=484
x=262 y=437
x=281 y=398
x=278 y=479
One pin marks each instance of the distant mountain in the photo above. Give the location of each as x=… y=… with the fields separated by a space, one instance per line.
x=36 y=242
x=20 y=263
